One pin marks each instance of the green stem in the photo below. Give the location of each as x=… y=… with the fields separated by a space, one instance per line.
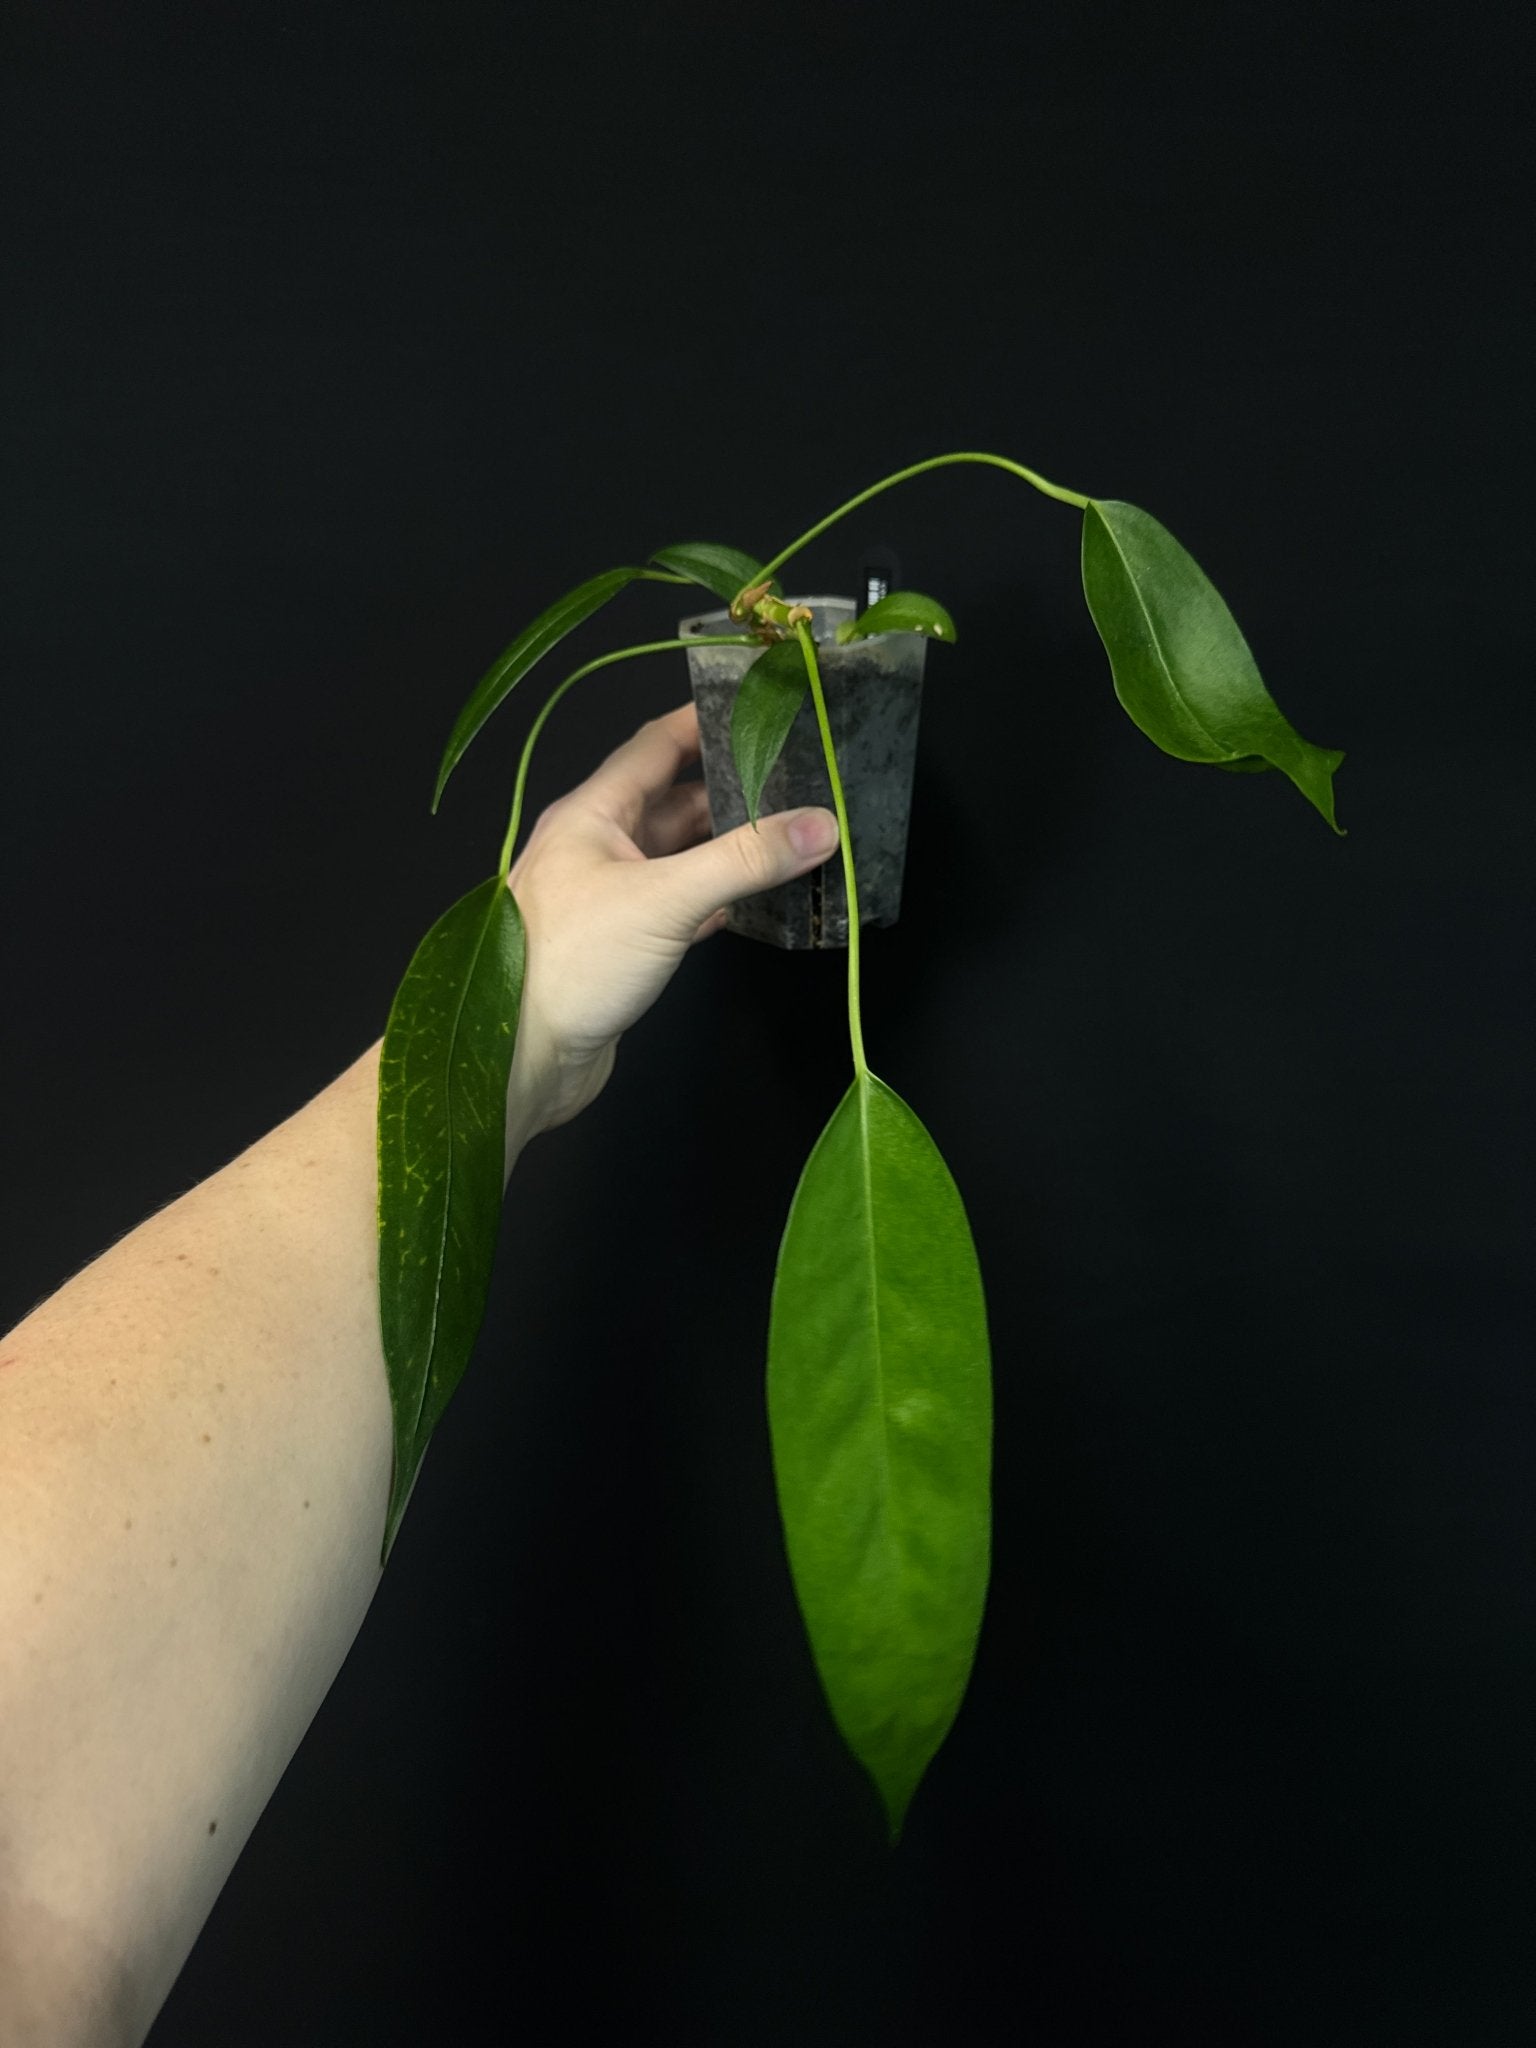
x=602 y=661
x=917 y=469
x=845 y=843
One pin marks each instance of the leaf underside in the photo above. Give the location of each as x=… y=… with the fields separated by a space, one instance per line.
x=1182 y=669
x=443 y=1074
x=880 y=1411
x=765 y=706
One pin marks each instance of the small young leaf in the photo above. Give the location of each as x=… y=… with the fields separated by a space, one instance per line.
x=720 y=569
x=880 y=1410
x=772 y=691
x=1181 y=668
x=899 y=611
x=514 y=662
x=443 y=1073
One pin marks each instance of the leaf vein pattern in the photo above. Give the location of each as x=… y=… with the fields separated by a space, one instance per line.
x=865 y=1084
x=1157 y=645
x=450 y=1045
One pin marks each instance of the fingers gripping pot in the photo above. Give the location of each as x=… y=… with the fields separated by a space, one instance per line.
x=873 y=690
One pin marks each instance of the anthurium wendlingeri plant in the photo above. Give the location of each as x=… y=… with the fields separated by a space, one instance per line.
x=878 y=1360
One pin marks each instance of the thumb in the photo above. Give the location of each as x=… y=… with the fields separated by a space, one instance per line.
x=740 y=863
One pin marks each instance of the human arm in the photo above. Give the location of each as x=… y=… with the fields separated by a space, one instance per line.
x=195 y=1439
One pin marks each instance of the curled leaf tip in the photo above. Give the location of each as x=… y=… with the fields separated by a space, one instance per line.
x=1181 y=668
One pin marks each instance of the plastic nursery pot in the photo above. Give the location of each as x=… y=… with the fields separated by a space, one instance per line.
x=873 y=690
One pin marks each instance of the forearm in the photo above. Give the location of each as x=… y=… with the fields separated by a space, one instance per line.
x=194 y=1469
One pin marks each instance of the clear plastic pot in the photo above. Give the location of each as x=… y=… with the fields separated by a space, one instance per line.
x=874 y=690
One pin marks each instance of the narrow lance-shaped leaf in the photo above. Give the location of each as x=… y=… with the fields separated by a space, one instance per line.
x=514 y=662
x=1182 y=669
x=442 y=1126
x=899 y=611
x=771 y=692
x=718 y=568
x=880 y=1407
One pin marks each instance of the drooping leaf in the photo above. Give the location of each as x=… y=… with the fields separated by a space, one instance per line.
x=514 y=662
x=443 y=1074
x=772 y=691
x=899 y=611
x=720 y=569
x=1181 y=668
x=880 y=1408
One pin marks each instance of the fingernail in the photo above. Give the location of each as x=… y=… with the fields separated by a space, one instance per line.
x=813 y=832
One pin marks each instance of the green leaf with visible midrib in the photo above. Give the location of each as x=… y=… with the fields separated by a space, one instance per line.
x=771 y=693
x=900 y=611
x=514 y=662
x=442 y=1127
x=718 y=568
x=880 y=1408
x=1181 y=667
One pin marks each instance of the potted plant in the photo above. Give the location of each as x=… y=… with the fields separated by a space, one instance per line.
x=873 y=683
x=878 y=1362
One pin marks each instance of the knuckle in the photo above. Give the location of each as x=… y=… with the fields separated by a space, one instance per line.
x=751 y=853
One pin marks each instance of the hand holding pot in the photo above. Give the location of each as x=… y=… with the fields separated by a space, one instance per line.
x=618 y=879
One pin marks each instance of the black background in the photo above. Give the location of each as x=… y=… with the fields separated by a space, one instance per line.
x=339 y=343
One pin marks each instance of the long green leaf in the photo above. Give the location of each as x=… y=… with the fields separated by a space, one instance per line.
x=1182 y=669
x=900 y=611
x=771 y=692
x=720 y=569
x=880 y=1408
x=514 y=662
x=443 y=1074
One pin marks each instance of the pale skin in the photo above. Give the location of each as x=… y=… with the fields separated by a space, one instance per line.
x=195 y=1435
